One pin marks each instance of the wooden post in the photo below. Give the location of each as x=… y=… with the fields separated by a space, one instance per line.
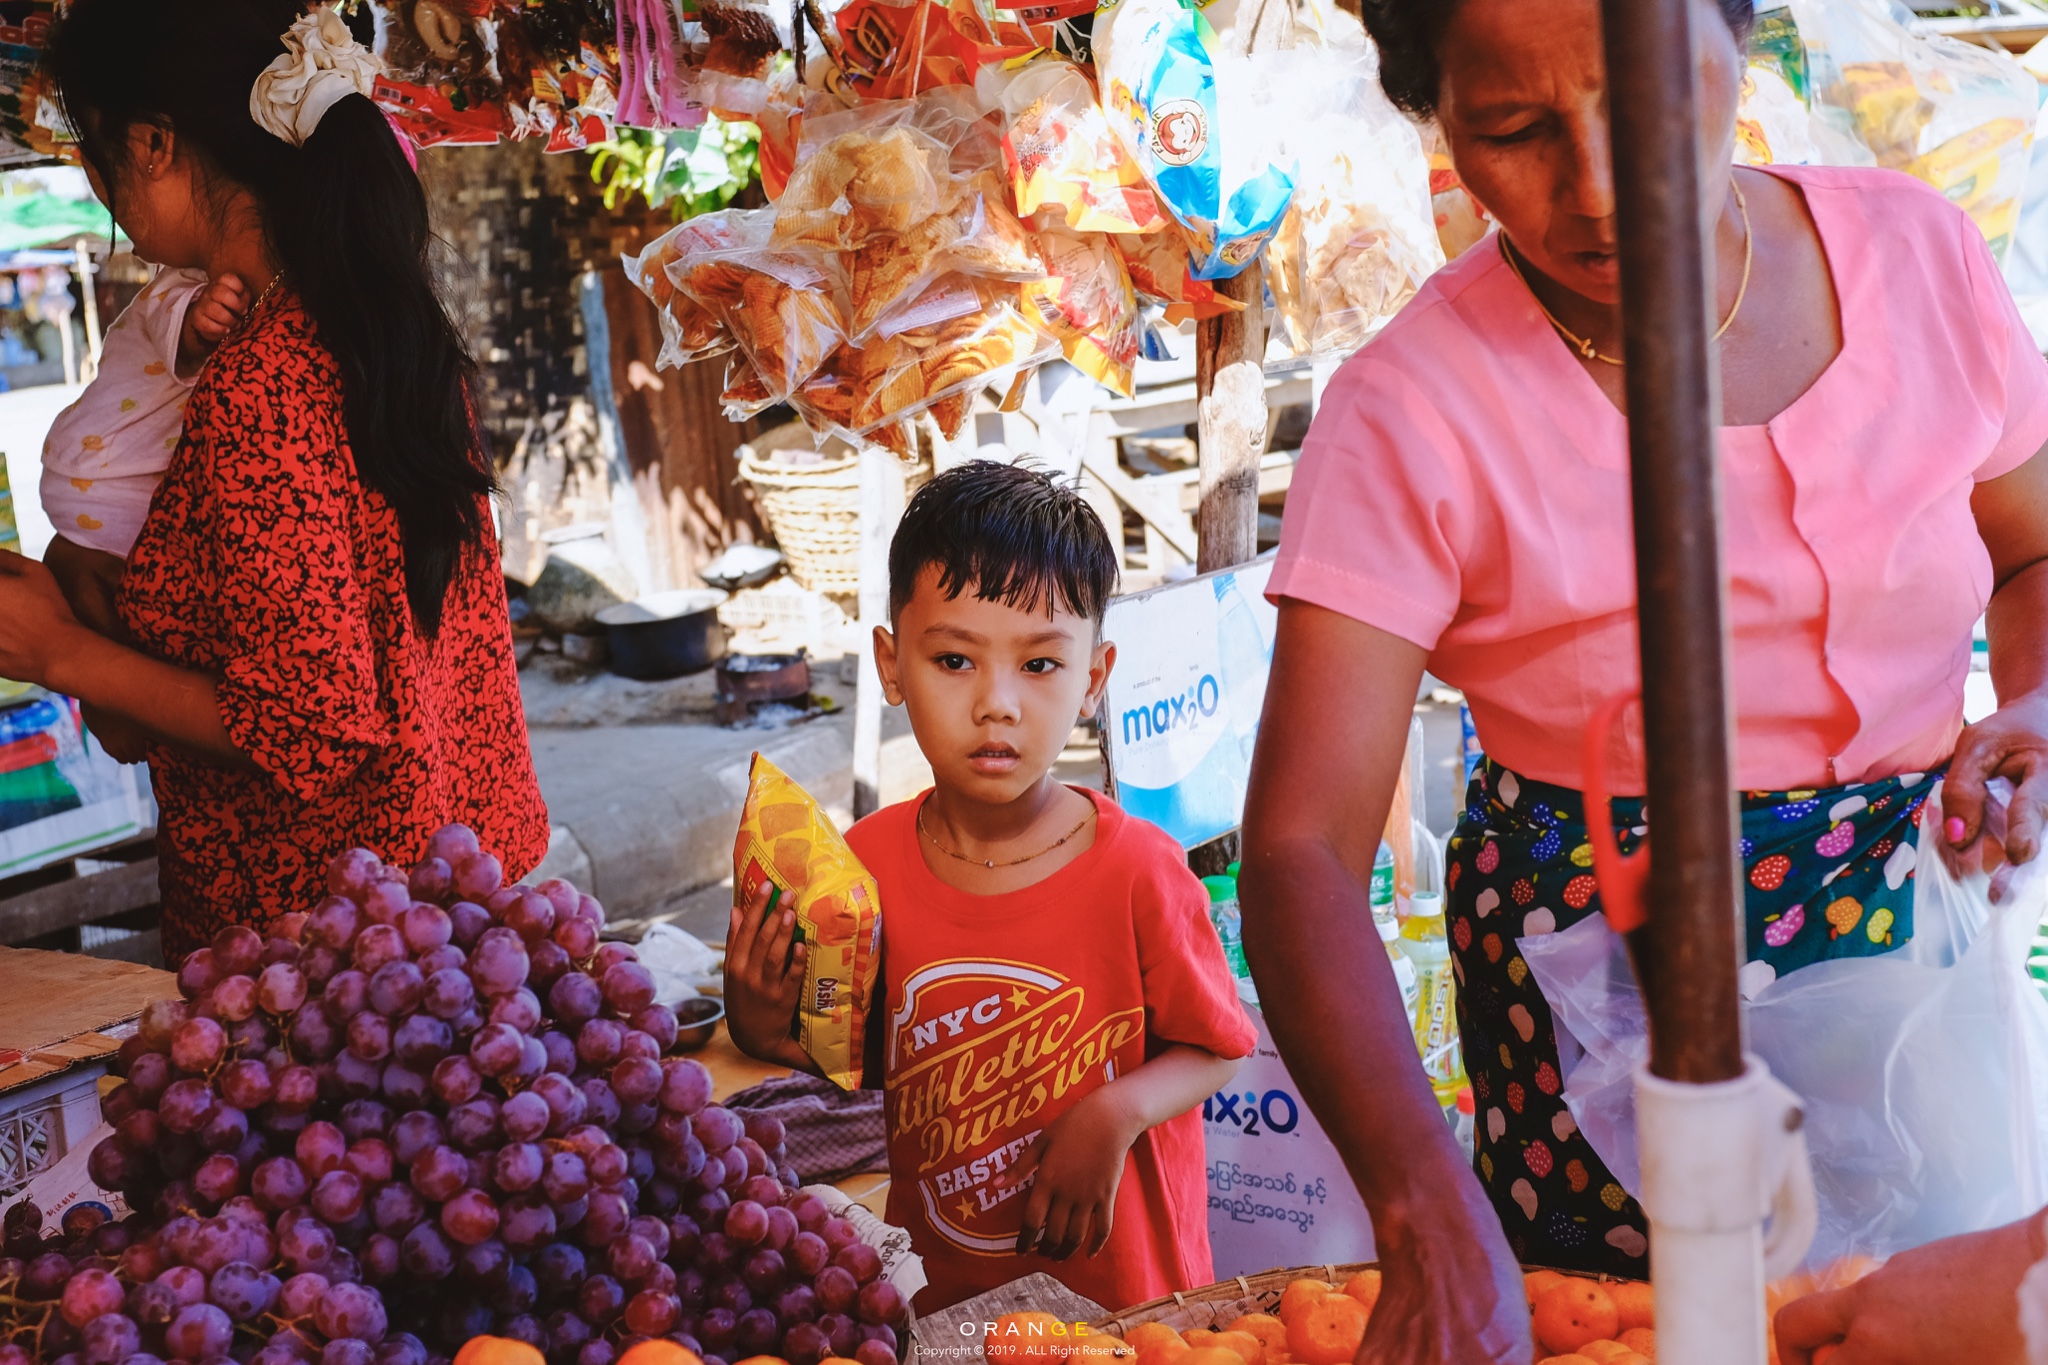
x=1230 y=389
x=1690 y=951
x=881 y=507
x=92 y=309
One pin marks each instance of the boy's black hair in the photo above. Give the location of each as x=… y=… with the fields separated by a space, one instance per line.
x=1009 y=533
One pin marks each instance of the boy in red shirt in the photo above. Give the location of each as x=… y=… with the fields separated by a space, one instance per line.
x=1056 y=1003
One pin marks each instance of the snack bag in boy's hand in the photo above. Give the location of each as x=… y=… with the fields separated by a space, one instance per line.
x=787 y=840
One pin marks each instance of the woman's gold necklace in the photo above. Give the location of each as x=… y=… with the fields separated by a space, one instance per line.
x=1014 y=862
x=1584 y=346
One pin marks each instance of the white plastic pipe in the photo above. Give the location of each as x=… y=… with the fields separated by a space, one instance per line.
x=1719 y=1161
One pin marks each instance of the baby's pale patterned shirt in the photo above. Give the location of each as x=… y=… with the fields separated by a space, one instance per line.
x=107 y=452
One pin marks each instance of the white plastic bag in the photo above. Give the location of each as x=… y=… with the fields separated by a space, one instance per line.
x=1924 y=1073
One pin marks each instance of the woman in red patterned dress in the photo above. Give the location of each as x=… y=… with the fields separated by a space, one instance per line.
x=318 y=649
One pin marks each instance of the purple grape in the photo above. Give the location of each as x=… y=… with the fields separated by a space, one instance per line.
x=186 y=1105
x=496 y=1049
x=201 y=1332
x=403 y=1086
x=658 y=1022
x=352 y=873
x=422 y=1040
x=396 y=1207
x=456 y=1080
x=628 y=988
x=197 y=974
x=448 y=993
x=338 y=1197
x=218 y=1179
x=559 y=1269
x=198 y=1045
x=474 y=1126
x=414 y=1133
x=348 y=1351
x=470 y=1217
x=873 y=1352
x=369 y=1037
x=233 y=998
x=89 y=1294
x=397 y=988
x=425 y=1254
x=352 y=1310
x=717 y=1128
x=320 y=1148
x=242 y=1291
x=110 y=1339
x=426 y=926
x=575 y=936
x=388 y=899
x=334 y=922
x=611 y=954
x=568 y=1333
x=476 y=876
x=757 y=1332
x=805 y=1343
x=838 y=1291
x=529 y=1221
x=470 y=921
x=524 y=1116
x=636 y=1081
x=638 y=1044
x=377 y=947
x=566 y=1178
x=530 y=915
x=345 y=995
x=860 y=1258
x=440 y=1174
x=764 y=1272
x=605 y=1219
x=631 y=1259
x=297 y=1087
x=548 y=961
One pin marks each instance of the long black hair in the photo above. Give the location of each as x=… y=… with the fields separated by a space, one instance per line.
x=345 y=216
x=1407 y=33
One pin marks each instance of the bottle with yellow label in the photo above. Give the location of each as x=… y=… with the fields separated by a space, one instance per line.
x=1434 y=1013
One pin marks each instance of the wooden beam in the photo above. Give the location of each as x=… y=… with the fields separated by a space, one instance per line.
x=1230 y=380
x=82 y=900
x=1157 y=502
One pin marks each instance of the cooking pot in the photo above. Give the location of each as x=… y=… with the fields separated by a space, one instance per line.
x=665 y=634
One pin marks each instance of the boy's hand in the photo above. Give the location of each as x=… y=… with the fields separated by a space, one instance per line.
x=764 y=976
x=209 y=319
x=1078 y=1162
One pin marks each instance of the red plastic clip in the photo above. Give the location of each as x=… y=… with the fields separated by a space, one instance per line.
x=1622 y=880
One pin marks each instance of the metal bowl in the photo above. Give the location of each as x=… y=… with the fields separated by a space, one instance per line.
x=696 y=1021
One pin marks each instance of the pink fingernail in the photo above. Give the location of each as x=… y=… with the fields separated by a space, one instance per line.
x=1956 y=829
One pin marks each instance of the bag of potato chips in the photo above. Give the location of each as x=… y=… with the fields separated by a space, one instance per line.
x=785 y=839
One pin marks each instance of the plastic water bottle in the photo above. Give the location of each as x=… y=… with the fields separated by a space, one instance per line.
x=10 y=534
x=1229 y=922
x=1380 y=893
x=1435 y=1016
x=1462 y=1113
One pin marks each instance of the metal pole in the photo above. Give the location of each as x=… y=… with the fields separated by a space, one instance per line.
x=1689 y=955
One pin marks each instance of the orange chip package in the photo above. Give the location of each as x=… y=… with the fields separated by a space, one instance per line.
x=786 y=840
x=1064 y=156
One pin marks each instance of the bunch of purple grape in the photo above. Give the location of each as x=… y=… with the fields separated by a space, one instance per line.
x=433 y=1108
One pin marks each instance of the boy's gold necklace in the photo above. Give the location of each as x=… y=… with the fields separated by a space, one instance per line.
x=991 y=863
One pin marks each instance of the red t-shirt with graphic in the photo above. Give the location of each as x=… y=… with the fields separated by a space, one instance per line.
x=1003 y=1011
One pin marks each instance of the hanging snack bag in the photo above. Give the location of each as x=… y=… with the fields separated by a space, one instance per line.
x=782 y=305
x=1206 y=128
x=852 y=184
x=1086 y=300
x=1158 y=266
x=787 y=842
x=440 y=78
x=1360 y=237
x=974 y=233
x=689 y=330
x=894 y=50
x=1063 y=155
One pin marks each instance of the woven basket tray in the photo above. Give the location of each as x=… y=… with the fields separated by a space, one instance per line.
x=1216 y=1305
x=813 y=511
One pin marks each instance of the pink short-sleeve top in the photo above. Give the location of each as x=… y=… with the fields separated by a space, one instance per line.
x=1465 y=487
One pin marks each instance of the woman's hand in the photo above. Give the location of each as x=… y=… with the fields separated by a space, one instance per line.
x=2012 y=743
x=35 y=622
x=1956 y=1299
x=1450 y=1290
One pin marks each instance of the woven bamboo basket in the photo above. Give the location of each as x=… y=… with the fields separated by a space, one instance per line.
x=1216 y=1305
x=813 y=511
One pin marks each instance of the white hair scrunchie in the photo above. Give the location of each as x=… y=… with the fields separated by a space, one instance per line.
x=322 y=63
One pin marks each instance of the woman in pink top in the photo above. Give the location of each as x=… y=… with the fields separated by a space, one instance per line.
x=1463 y=505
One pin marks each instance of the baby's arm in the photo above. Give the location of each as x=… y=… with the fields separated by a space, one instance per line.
x=208 y=320
x=1078 y=1160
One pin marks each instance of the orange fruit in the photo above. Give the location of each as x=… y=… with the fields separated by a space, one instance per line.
x=658 y=1352
x=1159 y=1354
x=1571 y=1314
x=505 y=1351
x=1149 y=1335
x=1635 y=1303
x=1027 y=1339
x=1821 y=1353
x=1200 y=1337
x=749 y=1360
x=1249 y=1348
x=1271 y=1332
x=1573 y=1359
x=838 y=1360
x=1536 y=1281
x=1604 y=1351
x=1295 y=1299
x=1329 y=1332
x=1641 y=1340
x=1099 y=1348
x=1211 y=1355
x=1365 y=1287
